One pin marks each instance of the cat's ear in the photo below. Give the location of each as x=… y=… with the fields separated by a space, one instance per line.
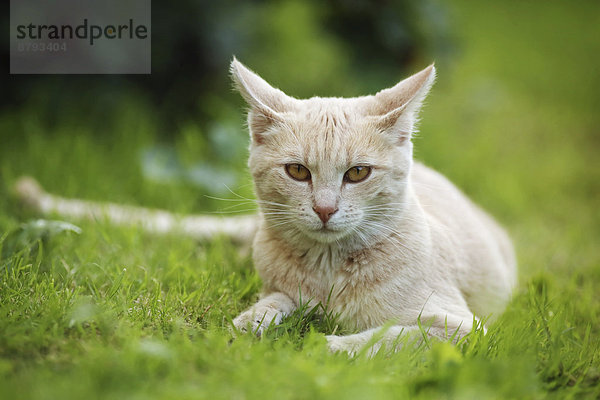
x=397 y=108
x=267 y=104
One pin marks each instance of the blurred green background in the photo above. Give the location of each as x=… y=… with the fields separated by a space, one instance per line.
x=184 y=122
x=513 y=120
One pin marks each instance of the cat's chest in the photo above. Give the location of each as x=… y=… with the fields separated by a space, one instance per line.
x=347 y=282
x=301 y=274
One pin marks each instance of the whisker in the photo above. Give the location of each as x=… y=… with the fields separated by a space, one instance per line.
x=383 y=205
x=387 y=229
x=224 y=199
x=238 y=205
x=244 y=200
x=273 y=203
x=232 y=211
x=280 y=224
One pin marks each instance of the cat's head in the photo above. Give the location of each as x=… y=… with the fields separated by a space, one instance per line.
x=329 y=168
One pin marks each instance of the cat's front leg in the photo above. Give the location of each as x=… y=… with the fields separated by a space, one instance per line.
x=390 y=338
x=270 y=309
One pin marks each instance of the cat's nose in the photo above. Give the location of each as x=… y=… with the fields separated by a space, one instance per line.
x=325 y=213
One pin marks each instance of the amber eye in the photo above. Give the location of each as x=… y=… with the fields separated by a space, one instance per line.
x=357 y=174
x=298 y=172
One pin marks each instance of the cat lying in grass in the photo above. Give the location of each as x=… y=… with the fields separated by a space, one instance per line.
x=347 y=218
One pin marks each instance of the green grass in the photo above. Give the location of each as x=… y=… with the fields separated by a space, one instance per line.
x=115 y=313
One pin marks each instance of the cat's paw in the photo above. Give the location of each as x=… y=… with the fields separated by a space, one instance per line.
x=350 y=344
x=258 y=319
x=342 y=344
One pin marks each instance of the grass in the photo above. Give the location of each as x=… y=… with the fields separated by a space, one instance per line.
x=115 y=313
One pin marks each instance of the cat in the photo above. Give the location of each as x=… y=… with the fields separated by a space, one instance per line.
x=348 y=219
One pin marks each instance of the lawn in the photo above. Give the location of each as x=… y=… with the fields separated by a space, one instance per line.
x=117 y=313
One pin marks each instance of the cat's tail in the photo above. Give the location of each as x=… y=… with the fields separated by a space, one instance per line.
x=240 y=229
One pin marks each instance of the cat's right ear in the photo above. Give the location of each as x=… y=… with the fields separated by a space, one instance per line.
x=267 y=104
x=397 y=108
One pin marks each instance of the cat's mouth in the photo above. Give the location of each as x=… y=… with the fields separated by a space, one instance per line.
x=326 y=234
x=326 y=228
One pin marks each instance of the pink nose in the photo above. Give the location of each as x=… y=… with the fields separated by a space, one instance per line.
x=325 y=213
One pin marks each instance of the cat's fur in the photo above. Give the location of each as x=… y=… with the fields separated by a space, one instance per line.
x=404 y=245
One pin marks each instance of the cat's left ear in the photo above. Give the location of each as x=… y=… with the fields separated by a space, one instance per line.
x=397 y=108
x=267 y=104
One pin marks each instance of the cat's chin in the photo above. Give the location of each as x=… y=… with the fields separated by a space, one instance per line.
x=326 y=235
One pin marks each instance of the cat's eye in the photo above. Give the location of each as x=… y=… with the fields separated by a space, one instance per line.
x=298 y=172
x=357 y=174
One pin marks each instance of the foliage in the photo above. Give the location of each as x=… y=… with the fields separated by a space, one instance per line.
x=301 y=45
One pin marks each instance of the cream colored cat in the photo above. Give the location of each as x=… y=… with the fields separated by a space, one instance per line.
x=347 y=218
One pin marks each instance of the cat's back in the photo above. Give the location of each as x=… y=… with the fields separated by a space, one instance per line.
x=486 y=252
x=442 y=200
